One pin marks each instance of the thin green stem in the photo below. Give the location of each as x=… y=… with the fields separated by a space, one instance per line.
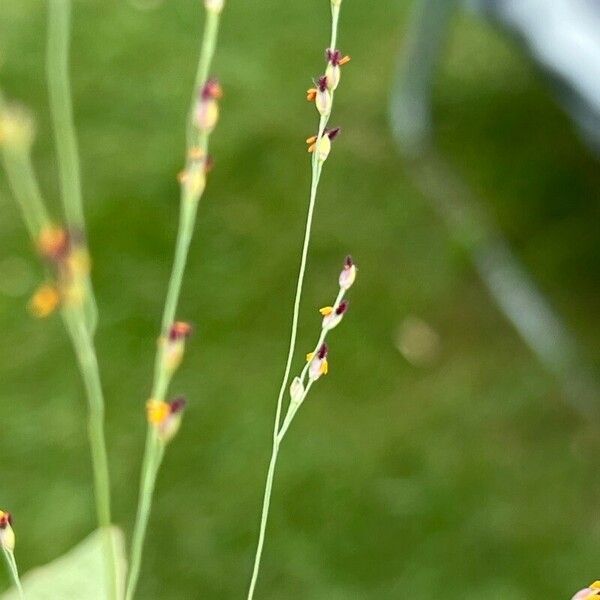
x=316 y=177
x=88 y=365
x=19 y=170
x=14 y=571
x=152 y=461
x=61 y=111
x=335 y=16
x=154 y=449
x=207 y=53
x=317 y=167
x=264 y=517
x=293 y=409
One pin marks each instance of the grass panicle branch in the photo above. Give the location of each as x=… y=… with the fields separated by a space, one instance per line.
x=319 y=146
x=61 y=111
x=63 y=250
x=164 y=417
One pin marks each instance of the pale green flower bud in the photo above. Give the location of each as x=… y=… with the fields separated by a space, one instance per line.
x=296 y=390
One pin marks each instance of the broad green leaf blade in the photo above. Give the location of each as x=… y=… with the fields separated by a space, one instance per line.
x=77 y=575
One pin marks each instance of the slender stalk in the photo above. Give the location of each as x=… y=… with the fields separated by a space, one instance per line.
x=317 y=167
x=14 y=571
x=17 y=163
x=293 y=409
x=61 y=111
x=75 y=324
x=152 y=461
x=19 y=170
x=154 y=450
x=16 y=158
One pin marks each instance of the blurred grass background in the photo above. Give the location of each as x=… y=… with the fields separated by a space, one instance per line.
x=467 y=476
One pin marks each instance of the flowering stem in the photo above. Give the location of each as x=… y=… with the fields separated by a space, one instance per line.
x=81 y=319
x=17 y=163
x=317 y=167
x=154 y=450
x=61 y=110
x=14 y=571
x=316 y=175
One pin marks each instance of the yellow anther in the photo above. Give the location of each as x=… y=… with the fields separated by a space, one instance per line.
x=324 y=367
x=326 y=310
x=157 y=411
x=309 y=356
x=44 y=301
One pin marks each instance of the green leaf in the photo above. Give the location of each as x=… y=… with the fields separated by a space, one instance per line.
x=78 y=574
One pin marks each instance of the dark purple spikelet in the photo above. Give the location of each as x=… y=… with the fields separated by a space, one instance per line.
x=348 y=262
x=177 y=405
x=322 y=351
x=342 y=307
x=333 y=56
x=211 y=90
x=333 y=133
x=179 y=331
x=321 y=83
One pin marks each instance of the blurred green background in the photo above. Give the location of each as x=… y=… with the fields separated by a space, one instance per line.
x=465 y=474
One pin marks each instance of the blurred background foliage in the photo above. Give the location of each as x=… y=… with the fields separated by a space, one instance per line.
x=438 y=457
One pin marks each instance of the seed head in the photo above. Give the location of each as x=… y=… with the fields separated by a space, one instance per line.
x=323 y=98
x=333 y=316
x=166 y=417
x=206 y=112
x=348 y=274
x=174 y=345
x=335 y=60
x=322 y=146
x=318 y=362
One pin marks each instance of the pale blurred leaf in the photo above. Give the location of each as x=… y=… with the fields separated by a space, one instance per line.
x=77 y=575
